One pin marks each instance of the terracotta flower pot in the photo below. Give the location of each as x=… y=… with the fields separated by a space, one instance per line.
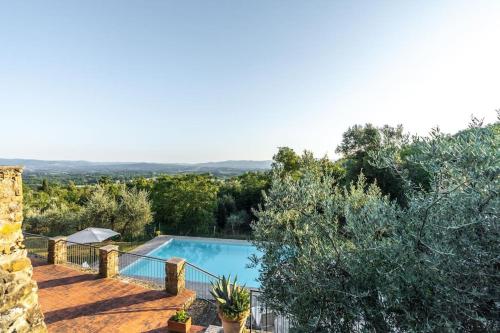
x=234 y=326
x=175 y=326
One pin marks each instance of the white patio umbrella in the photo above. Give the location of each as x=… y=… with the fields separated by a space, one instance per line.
x=91 y=235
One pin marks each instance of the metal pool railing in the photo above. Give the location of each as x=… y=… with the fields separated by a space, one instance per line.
x=199 y=280
x=262 y=319
x=37 y=245
x=83 y=255
x=142 y=268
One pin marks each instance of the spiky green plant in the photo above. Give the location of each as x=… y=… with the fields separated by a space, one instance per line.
x=232 y=299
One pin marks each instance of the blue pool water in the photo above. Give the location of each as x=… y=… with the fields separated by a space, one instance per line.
x=217 y=257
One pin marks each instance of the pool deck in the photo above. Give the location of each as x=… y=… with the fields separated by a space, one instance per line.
x=76 y=301
x=159 y=241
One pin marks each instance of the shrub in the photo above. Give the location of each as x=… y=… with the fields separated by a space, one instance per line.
x=181 y=316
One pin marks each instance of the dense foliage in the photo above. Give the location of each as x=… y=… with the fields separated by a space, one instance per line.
x=64 y=210
x=339 y=257
x=185 y=203
x=191 y=204
x=359 y=142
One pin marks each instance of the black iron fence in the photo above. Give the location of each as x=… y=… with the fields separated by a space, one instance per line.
x=199 y=280
x=142 y=268
x=262 y=319
x=83 y=255
x=37 y=245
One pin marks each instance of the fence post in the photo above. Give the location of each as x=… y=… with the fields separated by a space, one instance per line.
x=57 y=252
x=108 y=261
x=175 y=282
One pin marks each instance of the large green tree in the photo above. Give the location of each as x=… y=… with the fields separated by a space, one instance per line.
x=238 y=194
x=133 y=213
x=101 y=209
x=344 y=259
x=358 y=145
x=287 y=160
x=185 y=203
x=226 y=205
x=127 y=211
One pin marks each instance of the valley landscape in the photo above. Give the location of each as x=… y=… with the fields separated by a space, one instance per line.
x=82 y=172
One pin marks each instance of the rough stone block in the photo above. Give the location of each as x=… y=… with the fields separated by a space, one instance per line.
x=58 y=251
x=175 y=276
x=108 y=261
x=19 y=309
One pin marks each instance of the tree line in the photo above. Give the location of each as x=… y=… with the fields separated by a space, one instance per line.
x=189 y=204
x=204 y=204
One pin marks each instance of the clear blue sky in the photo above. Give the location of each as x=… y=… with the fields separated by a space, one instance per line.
x=191 y=81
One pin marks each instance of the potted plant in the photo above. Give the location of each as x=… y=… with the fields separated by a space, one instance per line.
x=180 y=322
x=233 y=304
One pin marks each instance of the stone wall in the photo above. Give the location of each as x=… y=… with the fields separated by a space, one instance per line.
x=19 y=309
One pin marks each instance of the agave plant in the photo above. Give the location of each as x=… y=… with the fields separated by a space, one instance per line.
x=233 y=300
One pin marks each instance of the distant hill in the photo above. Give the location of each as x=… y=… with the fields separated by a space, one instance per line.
x=79 y=167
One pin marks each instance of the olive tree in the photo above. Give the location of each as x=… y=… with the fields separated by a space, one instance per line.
x=100 y=209
x=345 y=259
x=133 y=213
x=127 y=211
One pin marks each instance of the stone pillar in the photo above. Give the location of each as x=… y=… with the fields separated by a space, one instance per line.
x=108 y=261
x=19 y=309
x=175 y=282
x=58 y=251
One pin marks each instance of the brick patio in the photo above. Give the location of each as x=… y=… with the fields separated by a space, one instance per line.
x=73 y=301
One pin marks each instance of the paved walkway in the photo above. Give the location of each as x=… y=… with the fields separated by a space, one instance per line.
x=150 y=245
x=73 y=301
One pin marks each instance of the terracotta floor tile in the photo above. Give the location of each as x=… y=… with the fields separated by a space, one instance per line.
x=73 y=301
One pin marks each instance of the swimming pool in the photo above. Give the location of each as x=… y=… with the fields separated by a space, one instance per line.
x=219 y=257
